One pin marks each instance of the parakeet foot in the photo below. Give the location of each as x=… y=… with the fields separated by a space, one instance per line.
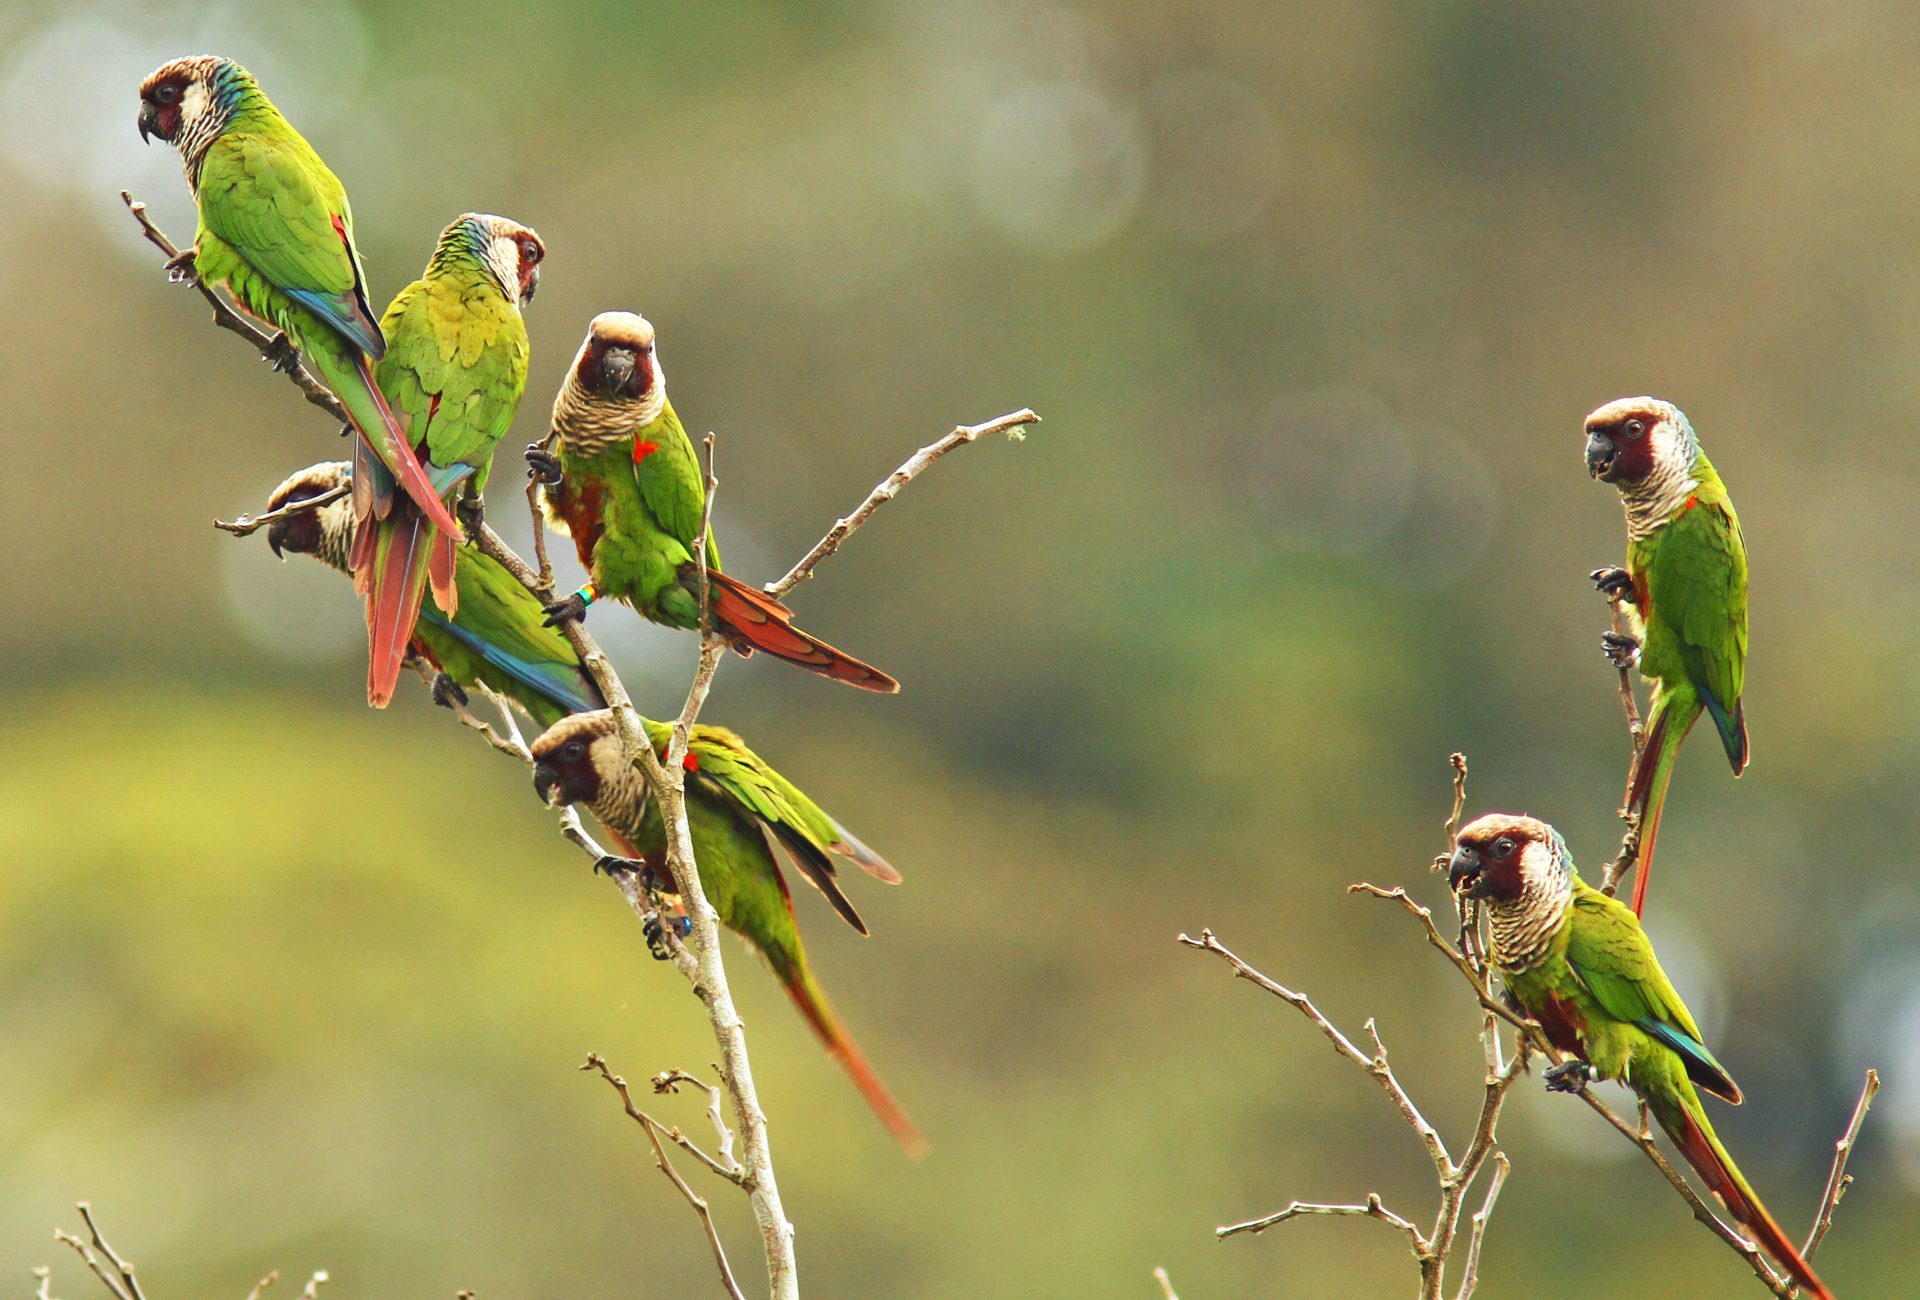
x=543 y=465
x=611 y=865
x=1614 y=583
x=180 y=267
x=447 y=692
x=1622 y=651
x=655 y=929
x=1569 y=1076
x=473 y=514
x=572 y=609
x=281 y=354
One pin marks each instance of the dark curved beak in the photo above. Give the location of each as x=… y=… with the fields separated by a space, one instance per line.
x=149 y=121
x=1600 y=454
x=546 y=784
x=617 y=367
x=532 y=286
x=277 y=535
x=1463 y=871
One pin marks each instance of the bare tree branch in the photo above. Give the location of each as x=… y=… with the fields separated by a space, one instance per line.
x=1839 y=1180
x=890 y=487
x=654 y=1130
x=1166 y=1284
x=247 y=525
x=1470 y=1272
x=1432 y=1249
x=229 y=317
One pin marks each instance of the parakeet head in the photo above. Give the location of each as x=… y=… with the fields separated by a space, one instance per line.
x=1635 y=439
x=1501 y=857
x=323 y=532
x=511 y=252
x=188 y=102
x=615 y=387
x=617 y=361
x=578 y=760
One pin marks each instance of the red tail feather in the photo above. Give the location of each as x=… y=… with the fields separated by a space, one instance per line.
x=440 y=575
x=396 y=553
x=747 y=614
x=1709 y=1160
x=833 y=1035
x=406 y=465
x=1647 y=791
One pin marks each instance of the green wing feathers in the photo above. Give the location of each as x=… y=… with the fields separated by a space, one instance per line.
x=455 y=369
x=1697 y=574
x=269 y=197
x=671 y=482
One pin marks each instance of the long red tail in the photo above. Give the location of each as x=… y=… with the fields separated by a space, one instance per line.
x=747 y=614
x=812 y=1003
x=393 y=560
x=1698 y=1143
x=389 y=441
x=1672 y=718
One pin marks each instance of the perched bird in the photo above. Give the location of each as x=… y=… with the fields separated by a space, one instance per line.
x=623 y=480
x=455 y=367
x=276 y=230
x=1578 y=962
x=735 y=801
x=1685 y=585
x=495 y=637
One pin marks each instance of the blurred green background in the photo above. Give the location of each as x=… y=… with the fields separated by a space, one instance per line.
x=1313 y=298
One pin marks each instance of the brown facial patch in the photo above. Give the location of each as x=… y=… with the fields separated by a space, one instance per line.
x=1632 y=454
x=1501 y=841
x=570 y=761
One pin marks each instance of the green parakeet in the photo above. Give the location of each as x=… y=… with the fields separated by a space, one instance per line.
x=735 y=802
x=494 y=637
x=276 y=230
x=1686 y=586
x=623 y=480
x=1578 y=962
x=455 y=367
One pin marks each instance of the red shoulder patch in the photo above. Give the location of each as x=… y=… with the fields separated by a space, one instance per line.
x=691 y=762
x=340 y=229
x=1691 y=503
x=643 y=448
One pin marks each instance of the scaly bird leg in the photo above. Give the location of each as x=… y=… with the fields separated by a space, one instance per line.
x=1621 y=650
x=180 y=266
x=543 y=465
x=447 y=693
x=571 y=609
x=1569 y=1076
x=280 y=353
x=1614 y=583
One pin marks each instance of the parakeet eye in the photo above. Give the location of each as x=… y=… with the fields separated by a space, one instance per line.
x=166 y=94
x=1635 y=428
x=1502 y=847
x=572 y=752
x=530 y=252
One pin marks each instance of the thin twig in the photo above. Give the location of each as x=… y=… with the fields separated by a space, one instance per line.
x=1373 y=1209
x=44 y=1276
x=889 y=488
x=228 y=317
x=1470 y=1271
x=247 y=525
x=655 y=1130
x=1166 y=1284
x=1374 y=1063
x=263 y=1284
x=1838 y=1179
